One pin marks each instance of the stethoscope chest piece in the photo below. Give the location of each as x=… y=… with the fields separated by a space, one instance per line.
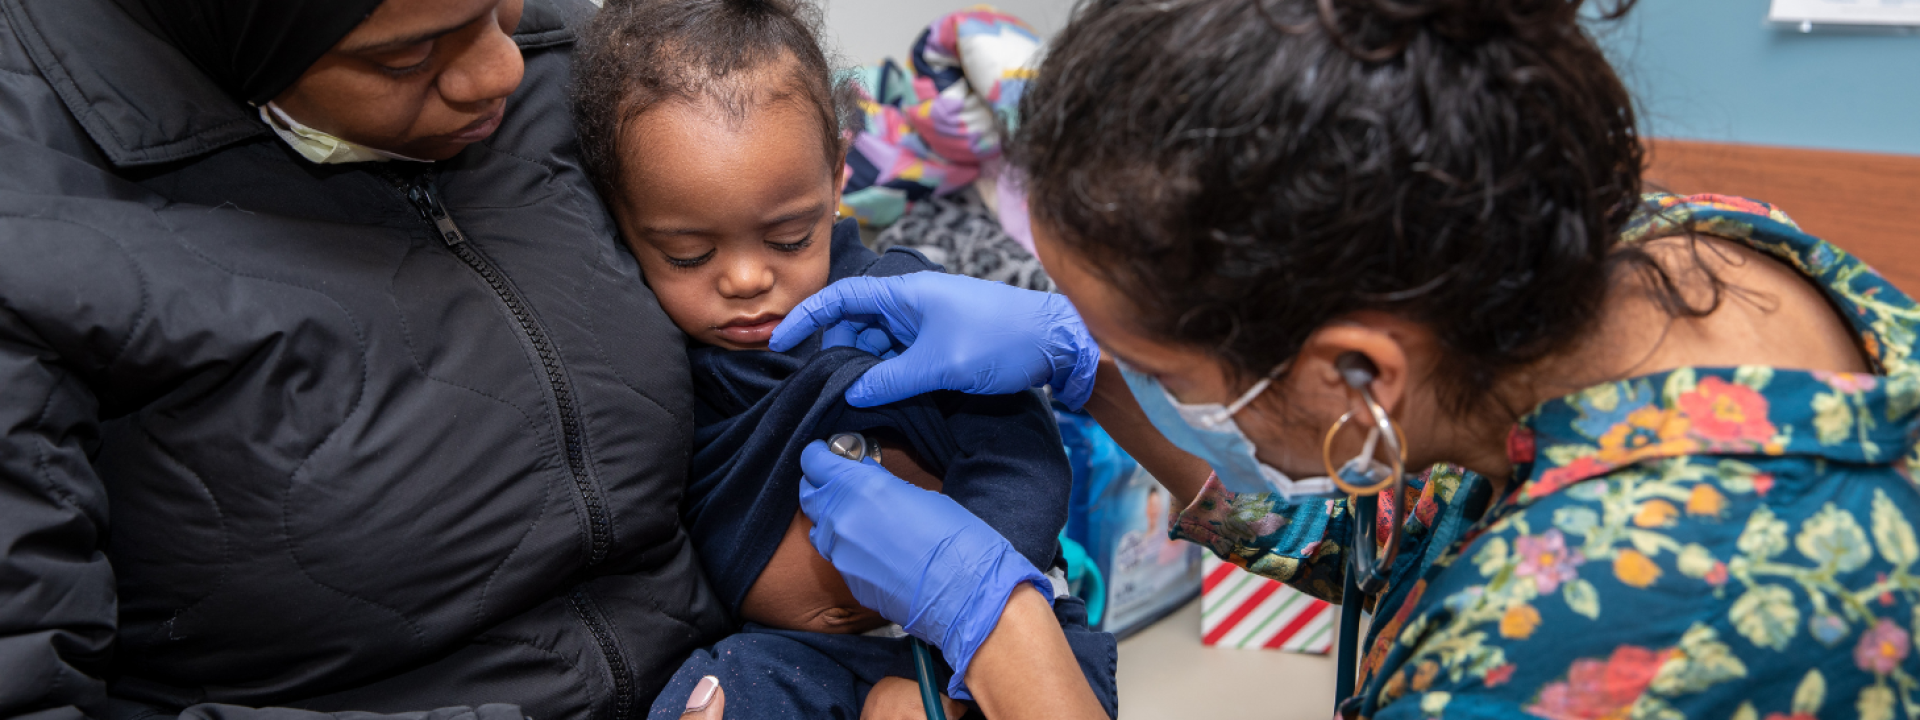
x=857 y=447
x=854 y=446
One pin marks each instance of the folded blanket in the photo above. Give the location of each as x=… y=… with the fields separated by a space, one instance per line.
x=933 y=133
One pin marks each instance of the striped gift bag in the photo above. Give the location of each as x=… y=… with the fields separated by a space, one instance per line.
x=1243 y=610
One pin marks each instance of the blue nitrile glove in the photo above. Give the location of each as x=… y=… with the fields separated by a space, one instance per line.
x=949 y=332
x=915 y=556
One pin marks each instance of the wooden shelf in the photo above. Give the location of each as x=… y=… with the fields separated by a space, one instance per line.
x=1868 y=204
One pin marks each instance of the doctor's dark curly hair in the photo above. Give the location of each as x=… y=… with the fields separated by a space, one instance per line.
x=1248 y=170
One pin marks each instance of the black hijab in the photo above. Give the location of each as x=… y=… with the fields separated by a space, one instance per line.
x=253 y=49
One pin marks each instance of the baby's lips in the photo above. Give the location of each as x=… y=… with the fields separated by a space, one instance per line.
x=750 y=334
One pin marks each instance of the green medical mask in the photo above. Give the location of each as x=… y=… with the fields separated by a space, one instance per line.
x=318 y=147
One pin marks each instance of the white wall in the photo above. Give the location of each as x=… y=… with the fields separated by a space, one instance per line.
x=864 y=31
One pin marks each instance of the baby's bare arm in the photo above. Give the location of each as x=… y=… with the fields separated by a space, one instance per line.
x=800 y=590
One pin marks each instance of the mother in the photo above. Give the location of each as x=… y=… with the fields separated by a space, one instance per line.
x=352 y=404
x=1672 y=438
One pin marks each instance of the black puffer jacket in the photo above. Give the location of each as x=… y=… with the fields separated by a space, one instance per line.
x=341 y=438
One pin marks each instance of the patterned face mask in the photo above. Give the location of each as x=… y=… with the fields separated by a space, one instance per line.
x=318 y=147
x=1209 y=432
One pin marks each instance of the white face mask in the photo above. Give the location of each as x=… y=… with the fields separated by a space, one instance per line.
x=318 y=147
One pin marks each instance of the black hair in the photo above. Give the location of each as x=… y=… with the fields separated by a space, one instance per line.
x=636 y=54
x=252 y=49
x=1245 y=171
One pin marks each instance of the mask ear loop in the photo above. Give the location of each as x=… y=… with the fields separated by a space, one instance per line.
x=1214 y=420
x=1371 y=573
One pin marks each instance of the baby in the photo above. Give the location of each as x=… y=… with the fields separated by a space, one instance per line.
x=717 y=135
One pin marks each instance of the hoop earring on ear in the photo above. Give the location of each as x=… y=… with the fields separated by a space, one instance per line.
x=1363 y=475
x=1363 y=478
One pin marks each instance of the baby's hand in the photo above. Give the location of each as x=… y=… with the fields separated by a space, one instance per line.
x=897 y=698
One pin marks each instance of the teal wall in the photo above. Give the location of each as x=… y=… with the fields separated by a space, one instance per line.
x=1699 y=69
x=1714 y=70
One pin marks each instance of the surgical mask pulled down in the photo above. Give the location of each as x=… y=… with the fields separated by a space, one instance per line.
x=1208 y=431
x=318 y=147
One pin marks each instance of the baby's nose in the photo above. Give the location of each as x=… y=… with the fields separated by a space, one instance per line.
x=746 y=280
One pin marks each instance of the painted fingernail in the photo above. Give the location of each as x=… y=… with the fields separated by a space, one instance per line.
x=702 y=694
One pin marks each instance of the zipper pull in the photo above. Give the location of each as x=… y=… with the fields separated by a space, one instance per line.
x=421 y=193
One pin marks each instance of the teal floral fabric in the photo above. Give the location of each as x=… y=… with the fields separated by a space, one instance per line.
x=1728 y=542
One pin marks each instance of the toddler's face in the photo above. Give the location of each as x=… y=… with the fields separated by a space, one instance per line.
x=731 y=220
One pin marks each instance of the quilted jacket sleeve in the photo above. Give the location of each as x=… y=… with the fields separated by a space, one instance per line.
x=57 y=591
x=57 y=603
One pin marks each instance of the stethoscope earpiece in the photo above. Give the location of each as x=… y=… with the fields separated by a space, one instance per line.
x=1356 y=370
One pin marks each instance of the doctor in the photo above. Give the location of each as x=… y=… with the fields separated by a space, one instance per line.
x=1351 y=238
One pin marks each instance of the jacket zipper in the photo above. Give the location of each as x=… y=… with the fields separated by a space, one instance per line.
x=589 y=613
x=419 y=192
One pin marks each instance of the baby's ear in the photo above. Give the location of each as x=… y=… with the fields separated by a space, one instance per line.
x=840 y=179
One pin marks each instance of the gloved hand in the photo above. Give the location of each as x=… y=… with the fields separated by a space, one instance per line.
x=949 y=332
x=913 y=555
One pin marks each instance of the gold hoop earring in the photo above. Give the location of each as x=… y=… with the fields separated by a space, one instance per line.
x=1370 y=571
x=1395 y=438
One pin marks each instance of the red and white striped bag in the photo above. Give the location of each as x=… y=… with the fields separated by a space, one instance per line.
x=1243 y=610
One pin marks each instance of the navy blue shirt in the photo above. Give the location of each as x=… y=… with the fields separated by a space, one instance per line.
x=999 y=456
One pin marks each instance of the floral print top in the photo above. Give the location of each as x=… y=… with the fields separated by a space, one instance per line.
x=1726 y=542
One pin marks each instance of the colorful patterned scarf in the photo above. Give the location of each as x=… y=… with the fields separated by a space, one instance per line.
x=937 y=131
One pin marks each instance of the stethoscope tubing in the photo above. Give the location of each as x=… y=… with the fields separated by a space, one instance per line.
x=929 y=686
x=856 y=447
x=1348 y=665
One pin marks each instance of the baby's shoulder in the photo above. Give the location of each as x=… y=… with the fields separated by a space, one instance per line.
x=901 y=261
x=852 y=258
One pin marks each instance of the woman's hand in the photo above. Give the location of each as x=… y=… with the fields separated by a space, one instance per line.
x=949 y=332
x=706 y=702
x=923 y=561
x=915 y=556
x=890 y=699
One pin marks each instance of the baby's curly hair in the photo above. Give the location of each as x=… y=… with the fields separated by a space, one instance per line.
x=636 y=54
x=1248 y=170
